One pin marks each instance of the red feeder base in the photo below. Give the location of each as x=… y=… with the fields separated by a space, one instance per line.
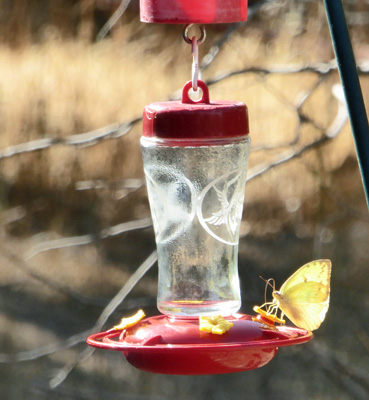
x=176 y=346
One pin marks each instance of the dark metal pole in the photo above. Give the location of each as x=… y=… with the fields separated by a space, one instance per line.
x=351 y=86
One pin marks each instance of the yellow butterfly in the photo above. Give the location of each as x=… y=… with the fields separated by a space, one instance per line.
x=304 y=297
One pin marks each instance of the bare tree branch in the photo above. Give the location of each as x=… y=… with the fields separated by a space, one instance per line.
x=118 y=130
x=233 y=28
x=29 y=355
x=333 y=130
x=108 y=311
x=18 y=262
x=87 y=239
x=33 y=354
x=58 y=287
x=80 y=140
x=113 y=19
x=321 y=69
x=302 y=118
x=126 y=184
x=352 y=379
x=88 y=392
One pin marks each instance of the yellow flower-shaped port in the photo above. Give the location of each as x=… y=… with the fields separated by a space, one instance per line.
x=130 y=321
x=215 y=324
x=266 y=318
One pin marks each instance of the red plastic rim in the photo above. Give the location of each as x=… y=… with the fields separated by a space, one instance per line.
x=108 y=340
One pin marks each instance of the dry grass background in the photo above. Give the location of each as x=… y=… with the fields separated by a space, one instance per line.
x=55 y=82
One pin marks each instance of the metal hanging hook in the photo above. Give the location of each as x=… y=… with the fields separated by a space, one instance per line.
x=188 y=40
x=195 y=64
x=195 y=52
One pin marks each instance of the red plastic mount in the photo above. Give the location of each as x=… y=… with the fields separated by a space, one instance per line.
x=193 y=11
x=188 y=119
x=186 y=99
x=176 y=346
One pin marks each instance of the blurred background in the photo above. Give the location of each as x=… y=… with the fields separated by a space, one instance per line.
x=74 y=217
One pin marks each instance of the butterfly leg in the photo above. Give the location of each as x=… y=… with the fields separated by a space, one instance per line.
x=272 y=308
x=269 y=316
x=266 y=306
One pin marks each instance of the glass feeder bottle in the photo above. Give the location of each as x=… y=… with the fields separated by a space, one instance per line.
x=195 y=156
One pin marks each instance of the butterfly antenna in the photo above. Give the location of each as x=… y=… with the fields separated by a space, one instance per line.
x=266 y=286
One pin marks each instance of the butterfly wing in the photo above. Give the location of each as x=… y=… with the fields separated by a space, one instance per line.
x=306 y=304
x=314 y=271
x=304 y=297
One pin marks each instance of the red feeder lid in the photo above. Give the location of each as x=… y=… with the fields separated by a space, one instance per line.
x=188 y=119
x=193 y=11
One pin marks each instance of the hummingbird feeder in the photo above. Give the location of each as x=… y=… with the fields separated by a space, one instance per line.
x=195 y=156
